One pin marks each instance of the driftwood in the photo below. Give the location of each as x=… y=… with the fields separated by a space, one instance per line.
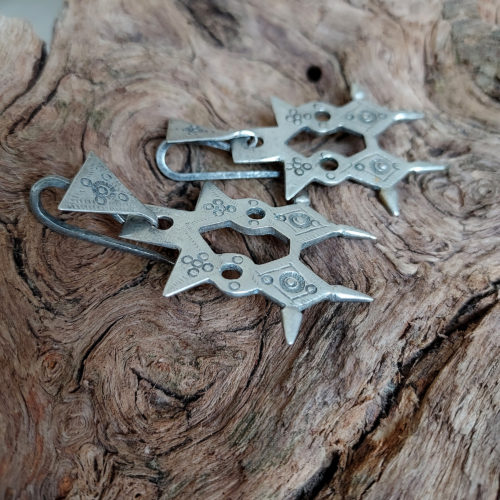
x=111 y=390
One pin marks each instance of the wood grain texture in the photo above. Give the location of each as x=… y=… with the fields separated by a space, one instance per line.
x=112 y=391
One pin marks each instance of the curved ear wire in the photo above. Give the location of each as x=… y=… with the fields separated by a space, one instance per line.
x=58 y=226
x=207 y=176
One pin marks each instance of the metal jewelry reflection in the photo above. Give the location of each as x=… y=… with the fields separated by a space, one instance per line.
x=372 y=167
x=286 y=281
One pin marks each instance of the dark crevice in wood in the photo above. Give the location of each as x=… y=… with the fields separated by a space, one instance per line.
x=250 y=327
x=470 y=313
x=42 y=104
x=159 y=479
x=38 y=67
x=135 y=282
x=219 y=25
x=18 y=257
x=88 y=352
x=258 y=360
x=17 y=253
x=176 y=447
x=34 y=112
x=468 y=317
x=184 y=400
x=318 y=481
x=82 y=139
x=222 y=60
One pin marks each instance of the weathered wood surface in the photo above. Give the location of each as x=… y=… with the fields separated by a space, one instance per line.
x=110 y=390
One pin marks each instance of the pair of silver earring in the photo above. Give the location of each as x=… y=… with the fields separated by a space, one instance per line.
x=286 y=281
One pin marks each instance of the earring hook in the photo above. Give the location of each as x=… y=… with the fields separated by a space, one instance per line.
x=61 y=227
x=208 y=176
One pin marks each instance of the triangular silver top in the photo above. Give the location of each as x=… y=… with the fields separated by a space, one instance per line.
x=96 y=189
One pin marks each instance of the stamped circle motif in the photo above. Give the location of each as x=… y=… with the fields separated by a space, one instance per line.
x=197 y=264
x=298 y=167
x=295 y=117
x=367 y=116
x=380 y=166
x=300 y=220
x=292 y=281
x=218 y=208
x=266 y=279
x=103 y=190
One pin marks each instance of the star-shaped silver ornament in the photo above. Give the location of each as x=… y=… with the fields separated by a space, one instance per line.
x=286 y=281
x=372 y=167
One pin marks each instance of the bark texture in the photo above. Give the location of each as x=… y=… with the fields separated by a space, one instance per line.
x=110 y=390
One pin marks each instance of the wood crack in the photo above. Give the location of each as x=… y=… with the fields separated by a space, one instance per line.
x=37 y=70
x=88 y=352
x=361 y=405
x=419 y=373
x=183 y=399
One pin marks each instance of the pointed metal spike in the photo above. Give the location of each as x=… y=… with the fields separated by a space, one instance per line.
x=303 y=197
x=181 y=280
x=344 y=294
x=422 y=167
x=352 y=232
x=280 y=109
x=96 y=189
x=291 y=188
x=292 y=318
x=357 y=92
x=208 y=193
x=407 y=116
x=389 y=197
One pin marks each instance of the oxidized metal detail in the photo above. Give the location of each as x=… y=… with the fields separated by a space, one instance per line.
x=286 y=281
x=372 y=167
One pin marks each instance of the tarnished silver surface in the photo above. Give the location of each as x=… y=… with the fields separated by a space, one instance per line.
x=208 y=176
x=372 y=166
x=96 y=189
x=286 y=281
x=61 y=227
